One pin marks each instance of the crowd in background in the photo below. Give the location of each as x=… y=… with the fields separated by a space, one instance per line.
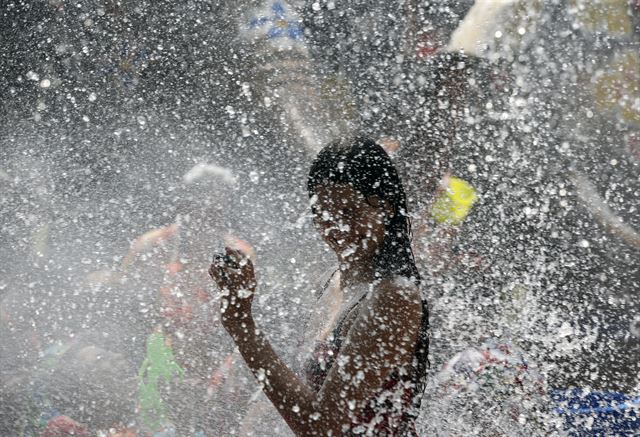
x=141 y=135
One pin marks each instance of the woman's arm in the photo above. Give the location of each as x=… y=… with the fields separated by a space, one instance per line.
x=293 y=399
x=235 y=277
x=380 y=339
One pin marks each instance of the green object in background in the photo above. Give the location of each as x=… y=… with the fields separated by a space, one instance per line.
x=453 y=205
x=159 y=363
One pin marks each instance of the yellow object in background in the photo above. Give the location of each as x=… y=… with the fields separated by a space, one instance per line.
x=619 y=88
x=453 y=205
x=609 y=16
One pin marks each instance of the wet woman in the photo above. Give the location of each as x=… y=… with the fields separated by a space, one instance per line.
x=366 y=375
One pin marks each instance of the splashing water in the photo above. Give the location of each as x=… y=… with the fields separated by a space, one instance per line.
x=142 y=137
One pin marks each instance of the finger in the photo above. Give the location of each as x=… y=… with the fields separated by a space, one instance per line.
x=236 y=255
x=232 y=258
x=218 y=260
x=213 y=269
x=231 y=262
x=219 y=274
x=242 y=259
x=224 y=259
x=216 y=266
x=216 y=274
x=224 y=262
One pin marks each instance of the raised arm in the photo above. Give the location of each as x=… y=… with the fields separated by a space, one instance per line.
x=380 y=339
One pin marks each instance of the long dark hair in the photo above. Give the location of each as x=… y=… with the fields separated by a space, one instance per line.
x=364 y=165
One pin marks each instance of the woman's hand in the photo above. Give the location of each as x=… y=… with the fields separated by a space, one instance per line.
x=234 y=274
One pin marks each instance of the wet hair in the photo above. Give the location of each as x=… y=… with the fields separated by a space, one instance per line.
x=365 y=166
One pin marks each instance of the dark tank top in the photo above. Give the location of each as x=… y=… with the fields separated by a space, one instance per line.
x=394 y=408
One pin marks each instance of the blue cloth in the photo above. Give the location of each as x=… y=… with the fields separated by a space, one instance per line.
x=281 y=26
x=598 y=413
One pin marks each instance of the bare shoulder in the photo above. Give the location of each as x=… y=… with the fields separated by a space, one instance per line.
x=398 y=301
x=392 y=316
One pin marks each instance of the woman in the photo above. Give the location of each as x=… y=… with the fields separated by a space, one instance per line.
x=366 y=375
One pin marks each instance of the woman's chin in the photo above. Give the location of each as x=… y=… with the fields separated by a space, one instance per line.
x=354 y=252
x=353 y=255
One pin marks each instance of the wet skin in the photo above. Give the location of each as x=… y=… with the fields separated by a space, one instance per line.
x=352 y=225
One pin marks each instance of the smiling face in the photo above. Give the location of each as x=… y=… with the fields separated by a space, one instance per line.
x=352 y=225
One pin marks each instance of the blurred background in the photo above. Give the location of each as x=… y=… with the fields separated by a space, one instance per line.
x=139 y=136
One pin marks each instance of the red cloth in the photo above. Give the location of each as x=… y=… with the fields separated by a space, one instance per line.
x=63 y=426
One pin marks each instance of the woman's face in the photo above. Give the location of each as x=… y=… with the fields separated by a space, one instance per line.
x=354 y=227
